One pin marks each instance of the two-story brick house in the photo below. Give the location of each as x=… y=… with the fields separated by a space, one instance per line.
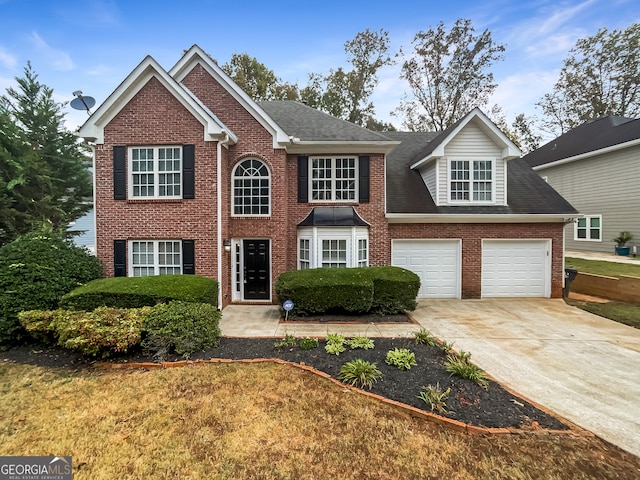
x=193 y=176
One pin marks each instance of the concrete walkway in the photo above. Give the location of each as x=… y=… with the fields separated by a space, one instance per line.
x=579 y=365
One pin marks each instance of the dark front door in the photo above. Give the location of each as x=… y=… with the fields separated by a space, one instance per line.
x=257 y=279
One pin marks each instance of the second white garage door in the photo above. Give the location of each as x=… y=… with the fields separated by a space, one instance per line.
x=516 y=268
x=436 y=262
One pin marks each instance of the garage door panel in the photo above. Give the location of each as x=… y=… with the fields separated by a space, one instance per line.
x=437 y=263
x=515 y=268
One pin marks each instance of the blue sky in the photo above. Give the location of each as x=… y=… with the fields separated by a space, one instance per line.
x=92 y=45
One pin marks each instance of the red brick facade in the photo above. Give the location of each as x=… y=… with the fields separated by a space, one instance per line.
x=155 y=117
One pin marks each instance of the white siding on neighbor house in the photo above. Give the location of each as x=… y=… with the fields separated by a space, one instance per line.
x=472 y=143
x=607 y=185
x=85 y=225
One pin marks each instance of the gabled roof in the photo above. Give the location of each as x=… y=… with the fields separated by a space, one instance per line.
x=527 y=192
x=93 y=128
x=311 y=128
x=437 y=146
x=592 y=138
x=196 y=55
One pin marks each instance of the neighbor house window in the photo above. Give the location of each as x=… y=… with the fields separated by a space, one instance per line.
x=589 y=228
x=155 y=257
x=251 y=188
x=333 y=179
x=471 y=180
x=333 y=247
x=155 y=172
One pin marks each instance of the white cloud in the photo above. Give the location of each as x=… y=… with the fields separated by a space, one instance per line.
x=7 y=59
x=519 y=93
x=58 y=59
x=561 y=16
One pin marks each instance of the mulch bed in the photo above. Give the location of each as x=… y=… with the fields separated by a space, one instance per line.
x=491 y=407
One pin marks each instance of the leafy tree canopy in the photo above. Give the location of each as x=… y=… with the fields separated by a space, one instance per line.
x=44 y=173
x=257 y=80
x=448 y=71
x=601 y=76
x=346 y=93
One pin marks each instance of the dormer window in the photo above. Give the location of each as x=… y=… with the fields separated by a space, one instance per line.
x=471 y=181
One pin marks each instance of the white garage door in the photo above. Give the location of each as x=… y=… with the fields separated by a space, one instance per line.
x=436 y=262
x=516 y=268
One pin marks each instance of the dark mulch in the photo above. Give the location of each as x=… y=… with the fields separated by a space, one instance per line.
x=492 y=407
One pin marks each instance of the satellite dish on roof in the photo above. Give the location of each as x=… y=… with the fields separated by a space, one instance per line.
x=81 y=102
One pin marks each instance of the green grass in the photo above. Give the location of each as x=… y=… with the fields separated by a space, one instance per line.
x=599 y=267
x=620 y=312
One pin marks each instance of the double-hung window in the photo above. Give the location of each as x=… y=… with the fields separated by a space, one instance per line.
x=333 y=179
x=588 y=228
x=155 y=257
x=156 y=172
x=471 y=181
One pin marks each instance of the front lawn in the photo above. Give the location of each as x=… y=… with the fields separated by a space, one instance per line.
x=268 y=421
x=599 y=267
x=627 y=313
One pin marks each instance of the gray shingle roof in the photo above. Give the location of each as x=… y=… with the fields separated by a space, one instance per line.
x=406 y=192
x=527 y=193
x=589 y=137
x=309 y=124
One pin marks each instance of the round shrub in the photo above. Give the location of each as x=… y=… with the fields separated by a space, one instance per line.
x=36 y=270
x=182 y=327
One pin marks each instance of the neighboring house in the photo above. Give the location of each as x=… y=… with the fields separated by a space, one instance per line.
x=193 y=176
x=596 y=167
x=84 y=231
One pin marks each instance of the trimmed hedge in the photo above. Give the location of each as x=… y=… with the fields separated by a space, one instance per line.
x=182 y=327
x=137 y=292
x=378 y=290
x=103 y=332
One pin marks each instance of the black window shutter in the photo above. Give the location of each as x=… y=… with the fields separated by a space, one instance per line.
x=119 y=258
x=188 y=171
x=188 y=257
x=363 y=179
x=303 y=179
x=120 y=173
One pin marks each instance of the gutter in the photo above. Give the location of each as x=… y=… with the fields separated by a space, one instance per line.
x=592 y=153
x=219 y=247
x=479 y=218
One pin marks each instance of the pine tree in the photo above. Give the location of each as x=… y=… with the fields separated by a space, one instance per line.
x=44 y=175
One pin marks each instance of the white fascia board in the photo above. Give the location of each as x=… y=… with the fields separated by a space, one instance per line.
x=93 y=128
x=196 y=55
x=322 y=147
x=478 y=218
x=509 y=149
x=582 y=156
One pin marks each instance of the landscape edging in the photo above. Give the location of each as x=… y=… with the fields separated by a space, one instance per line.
x=402 y=407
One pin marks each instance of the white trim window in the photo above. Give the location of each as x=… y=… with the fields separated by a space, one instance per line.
x=588 y=229
x=155 y=172
x=155 y=257
x=471 y=181
x=333 y=179
x=251 y=189
x=333 y=247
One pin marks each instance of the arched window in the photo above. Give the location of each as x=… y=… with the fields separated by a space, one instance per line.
x=251 y=188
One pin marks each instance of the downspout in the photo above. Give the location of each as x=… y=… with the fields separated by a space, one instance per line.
x=219 y=247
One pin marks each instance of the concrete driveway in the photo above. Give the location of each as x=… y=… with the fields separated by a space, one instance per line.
x=579 y=365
